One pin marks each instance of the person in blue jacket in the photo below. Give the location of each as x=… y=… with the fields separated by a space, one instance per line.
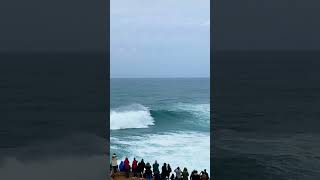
x=121 y=166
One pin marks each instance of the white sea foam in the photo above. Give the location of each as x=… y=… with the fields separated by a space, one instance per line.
x=132 y=116
x=183 y=149
x=201 y=112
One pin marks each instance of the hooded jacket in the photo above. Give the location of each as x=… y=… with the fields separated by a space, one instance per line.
x=121 y=166
x=141 y=166
x=126 y=164
x=148 y=169
x=134 y=164
x=185 y=174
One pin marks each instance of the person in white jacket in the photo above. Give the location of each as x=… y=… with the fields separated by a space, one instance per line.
x=114 y=163
x=178 y=173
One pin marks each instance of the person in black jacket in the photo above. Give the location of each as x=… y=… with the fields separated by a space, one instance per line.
x=196 y=176
x=169 y=170
x=191 y=175
x=141 y=166
x=148 y=172
x=172 y=177
x=205 y=172
x=164 y=171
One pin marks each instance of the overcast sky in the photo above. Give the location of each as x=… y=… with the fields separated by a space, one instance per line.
x=167 y=38
x=164 y=29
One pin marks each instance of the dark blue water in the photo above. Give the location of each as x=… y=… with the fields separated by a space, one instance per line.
x=267 y=116
x=53 y=116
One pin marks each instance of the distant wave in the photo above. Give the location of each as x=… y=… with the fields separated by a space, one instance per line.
x=132 y=116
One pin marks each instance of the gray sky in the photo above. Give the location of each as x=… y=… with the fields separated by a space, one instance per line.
x=167 y=38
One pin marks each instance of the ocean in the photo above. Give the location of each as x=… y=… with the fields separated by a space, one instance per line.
x=164 y=119
x=53 y=116
x=266 y=124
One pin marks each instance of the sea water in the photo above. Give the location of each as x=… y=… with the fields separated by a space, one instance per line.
x=167 y=120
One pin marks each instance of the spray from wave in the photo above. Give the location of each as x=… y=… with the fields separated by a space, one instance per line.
x=132 y=116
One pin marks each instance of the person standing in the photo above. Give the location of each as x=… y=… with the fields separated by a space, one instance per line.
x=192 y=174
x=127 y=167
x=114 y=163
x=203 y=176
x=156 y=171
x=172 y=177
x=205 y=172
x=141 y=167
x=185 y=174
x=164 y=171
x=178 y=173
x=196 y=176
x=134 y=167
x=169 y=170
x=148 y=172
x=121 y=166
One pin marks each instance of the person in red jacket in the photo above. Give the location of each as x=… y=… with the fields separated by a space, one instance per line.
x=134 y=167
x=127 y=166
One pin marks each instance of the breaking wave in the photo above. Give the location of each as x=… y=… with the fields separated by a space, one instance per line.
x=132 y=116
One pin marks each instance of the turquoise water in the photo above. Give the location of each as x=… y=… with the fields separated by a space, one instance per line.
x=161 y=119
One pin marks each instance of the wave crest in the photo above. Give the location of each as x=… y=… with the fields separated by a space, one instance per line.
x=199 y=111
x=132 y=116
